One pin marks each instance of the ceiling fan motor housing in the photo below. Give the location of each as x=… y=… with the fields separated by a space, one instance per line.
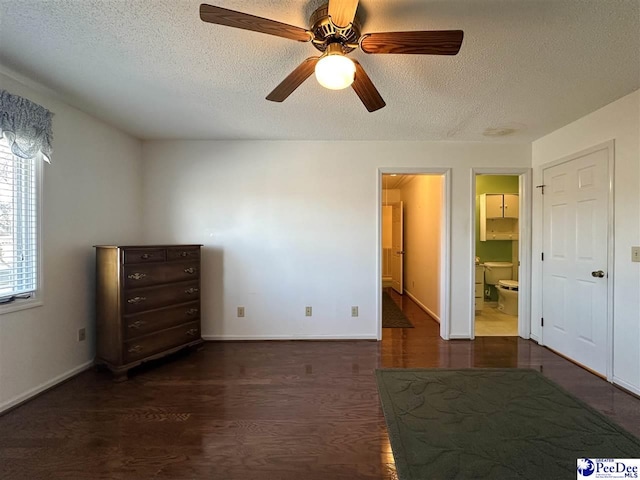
x=325 y=32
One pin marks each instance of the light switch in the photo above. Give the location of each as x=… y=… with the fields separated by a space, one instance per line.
x=635 y=254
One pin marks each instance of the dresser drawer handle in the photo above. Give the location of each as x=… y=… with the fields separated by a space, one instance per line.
x=135 y=300
x=192 y=331
x=137 y=324
x=192 y=311
x=137 y=276
x=146 y=256
x=191 y=291
x=184 y=254
x=190 y=270
x=135 y=349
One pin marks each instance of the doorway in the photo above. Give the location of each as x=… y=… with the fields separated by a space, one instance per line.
x=394 y=188
x=501 y=246
x=413 y=233
x=497 y=262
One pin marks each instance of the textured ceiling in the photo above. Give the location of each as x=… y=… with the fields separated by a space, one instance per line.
x=155 y=70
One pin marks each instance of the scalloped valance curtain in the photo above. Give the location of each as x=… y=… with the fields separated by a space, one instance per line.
x=26 y=126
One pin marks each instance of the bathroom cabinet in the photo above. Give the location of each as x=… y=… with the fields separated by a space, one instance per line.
x=479 y=288
x=499 y=216
x=501 y=205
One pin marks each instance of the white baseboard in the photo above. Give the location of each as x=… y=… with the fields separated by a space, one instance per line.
x=422 y=306
x=289 y=337
x=23 y=397
x=627 y=386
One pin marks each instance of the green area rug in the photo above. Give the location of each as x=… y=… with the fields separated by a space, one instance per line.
x=392 y=316
x=493 y=424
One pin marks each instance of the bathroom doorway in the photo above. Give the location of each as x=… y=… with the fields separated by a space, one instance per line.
x=497 y=259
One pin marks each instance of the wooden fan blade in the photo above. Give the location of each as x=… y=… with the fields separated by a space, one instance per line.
x=342 y=12
x=365 y=89
x=434 y=42
x=231 y=18
x=293 y=80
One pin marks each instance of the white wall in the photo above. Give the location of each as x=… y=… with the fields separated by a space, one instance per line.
x=91 y=195
x=286 y=224
x=423 y=210
x=619 y=121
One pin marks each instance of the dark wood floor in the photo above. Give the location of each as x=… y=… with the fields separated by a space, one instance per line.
x=258 y=410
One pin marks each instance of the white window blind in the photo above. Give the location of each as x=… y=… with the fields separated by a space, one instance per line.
x=18 y=225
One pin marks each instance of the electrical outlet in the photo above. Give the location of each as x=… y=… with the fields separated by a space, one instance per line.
x=240 y=311
x=82 y=334
x=635 y=254
x=307 y=311
x=354 y=311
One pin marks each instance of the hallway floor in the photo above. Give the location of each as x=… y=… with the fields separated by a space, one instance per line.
x=280 y=410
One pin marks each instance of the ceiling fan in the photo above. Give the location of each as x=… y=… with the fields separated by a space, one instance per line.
x=335 y=31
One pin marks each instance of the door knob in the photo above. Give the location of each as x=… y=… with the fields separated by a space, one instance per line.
x=401 y=252
x=597 y=274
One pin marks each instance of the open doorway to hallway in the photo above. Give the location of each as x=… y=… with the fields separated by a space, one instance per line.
x=412 y=213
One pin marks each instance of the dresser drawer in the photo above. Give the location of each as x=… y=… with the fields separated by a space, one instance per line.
x=149 y=322
x=173 y=337
x=184 y=253
x=141 y=299
x=152 y=274
x=144 y=255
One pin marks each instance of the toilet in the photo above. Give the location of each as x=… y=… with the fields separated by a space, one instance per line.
x=508 y=296
x=499 y=274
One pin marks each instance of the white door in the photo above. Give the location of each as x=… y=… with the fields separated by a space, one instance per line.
x=574 y=269
x=397 y=260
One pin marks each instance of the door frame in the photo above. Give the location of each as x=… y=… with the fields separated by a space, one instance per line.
x=445 y=242
x=524 y=245
x=610 y=147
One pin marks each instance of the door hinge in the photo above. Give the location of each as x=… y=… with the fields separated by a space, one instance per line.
x=542 y=256
x=541 y=187
x=542 y=322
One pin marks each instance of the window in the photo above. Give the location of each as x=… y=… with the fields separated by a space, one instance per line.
x=25 y=140
x=19 y=208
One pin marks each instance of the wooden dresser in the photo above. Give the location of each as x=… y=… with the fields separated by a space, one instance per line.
x=147 y=303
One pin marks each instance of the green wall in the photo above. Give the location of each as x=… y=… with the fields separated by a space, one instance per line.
x=493 y=250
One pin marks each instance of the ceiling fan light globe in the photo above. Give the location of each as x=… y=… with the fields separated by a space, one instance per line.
x=335 y=72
